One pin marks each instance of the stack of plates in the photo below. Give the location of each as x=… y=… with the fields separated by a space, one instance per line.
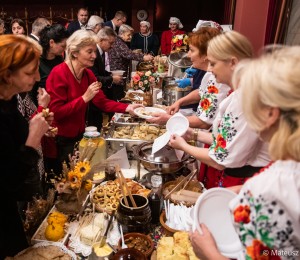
x=212 y=209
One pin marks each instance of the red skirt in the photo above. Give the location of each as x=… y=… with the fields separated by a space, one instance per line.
x=211 y=177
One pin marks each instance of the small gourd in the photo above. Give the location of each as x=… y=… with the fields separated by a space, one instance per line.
x=54 y=232
x=57 y=218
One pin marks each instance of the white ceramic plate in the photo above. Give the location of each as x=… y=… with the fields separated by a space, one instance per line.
x=148 y=109
x=212 y=209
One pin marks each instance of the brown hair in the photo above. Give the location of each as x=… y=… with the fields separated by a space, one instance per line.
x=201 y=38
x=120 y=15
x=16 y=51
x=20 y=22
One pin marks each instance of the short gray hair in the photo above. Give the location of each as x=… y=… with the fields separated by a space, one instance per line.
x=1 y=22
x=124 y=28
x=94 y=20
x=106 y=32
x=39 y=24
x=79 y=40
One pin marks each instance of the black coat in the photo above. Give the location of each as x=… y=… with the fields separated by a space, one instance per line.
x=149 y=44
x=110 y=24
x=74 y=26
x=17 y=161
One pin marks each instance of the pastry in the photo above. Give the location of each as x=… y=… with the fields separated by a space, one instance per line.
x=114 y=200
x=102 y=202
x=109 y=183
x=143 y=192
x=119 y=195
x=88 y=234
x=180 y=253
x=181 y=239
x=49 y=252
x=95 y=198
x=100 y=192
x=111 y=192
x=165 y=253
x=112 y=206
x=135 y=188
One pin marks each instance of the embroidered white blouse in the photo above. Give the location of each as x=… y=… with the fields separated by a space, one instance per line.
x=234 y=143
x=266 y=213
x=212 y=94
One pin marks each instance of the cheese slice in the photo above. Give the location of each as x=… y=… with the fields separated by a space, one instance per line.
x=99 y=220
x=88 y=234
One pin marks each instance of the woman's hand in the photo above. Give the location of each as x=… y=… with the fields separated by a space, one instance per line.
x=189 y=135
x=236 y=189
x=51 y=133
x=50 y=118
x=92 y=90
x=171 y=110
x=132 y=107
x=177 y=142
x=205 y=246
x=148 y=57
x=38 y=126
x=159 y=118
x=117 y=79
x=43 y=98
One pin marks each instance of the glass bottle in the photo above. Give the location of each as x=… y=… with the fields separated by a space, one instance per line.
x=155 y=198
x=110 y=173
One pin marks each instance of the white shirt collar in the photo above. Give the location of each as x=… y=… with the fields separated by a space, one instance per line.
x=114 y=26
x=100 y=50
x=82 y=25
x=35 y=36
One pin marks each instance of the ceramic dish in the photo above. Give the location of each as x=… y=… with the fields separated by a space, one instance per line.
x=136 y=235
x=148 y=110
x=131 y=254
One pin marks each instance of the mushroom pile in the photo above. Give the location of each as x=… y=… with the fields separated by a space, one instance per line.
x=138 y=243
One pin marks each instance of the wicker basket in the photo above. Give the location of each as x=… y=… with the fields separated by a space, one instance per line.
x=176 y=202
x=169 y=231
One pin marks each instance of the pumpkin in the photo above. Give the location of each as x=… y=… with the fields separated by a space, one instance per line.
x=57 y=218
x=54 y=232
x=88 y=185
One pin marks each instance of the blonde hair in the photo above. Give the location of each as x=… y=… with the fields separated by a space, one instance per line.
x=273 y=81
x=230 y=44
x=79 y=40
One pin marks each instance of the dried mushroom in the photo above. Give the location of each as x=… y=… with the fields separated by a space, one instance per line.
x=138 y=243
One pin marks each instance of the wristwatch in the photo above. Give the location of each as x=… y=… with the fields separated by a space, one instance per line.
x=195 y=135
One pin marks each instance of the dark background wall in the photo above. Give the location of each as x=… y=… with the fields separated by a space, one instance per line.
x=159 y=10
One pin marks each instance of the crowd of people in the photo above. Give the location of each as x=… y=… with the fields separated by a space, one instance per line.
x=251 y=105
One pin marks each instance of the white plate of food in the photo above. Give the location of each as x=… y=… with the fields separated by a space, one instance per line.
x=147 y=112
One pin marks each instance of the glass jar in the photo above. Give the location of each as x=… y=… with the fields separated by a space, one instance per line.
x=110 y=173
x=93 y=138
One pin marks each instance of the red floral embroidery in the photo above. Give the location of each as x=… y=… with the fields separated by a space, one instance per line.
x=220 y=142
x=242 y=214
x=205 y=104
x=212 y=89
x=258 y=251
x=230 y=91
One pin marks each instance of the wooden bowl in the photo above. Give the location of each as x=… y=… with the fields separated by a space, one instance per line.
x=169 y=231
x=176 y=202
x=135 y=235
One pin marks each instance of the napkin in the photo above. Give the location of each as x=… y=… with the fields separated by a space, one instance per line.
x=122 y=158
x=177 y=124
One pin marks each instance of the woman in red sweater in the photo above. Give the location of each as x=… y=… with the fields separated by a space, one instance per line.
x=166 y=38
x=71 y=87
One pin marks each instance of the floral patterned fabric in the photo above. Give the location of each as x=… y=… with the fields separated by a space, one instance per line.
x=266 y=213
x=120 y=56
x=234 y=143
x=212 y=94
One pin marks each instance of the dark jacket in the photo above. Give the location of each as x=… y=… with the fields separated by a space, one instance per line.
x=110 y=24
x=149 y=44
x=17 y=162
x=74 y=26
x=100 y=73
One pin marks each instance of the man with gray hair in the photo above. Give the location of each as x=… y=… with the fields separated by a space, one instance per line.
x=2 y=27
x=101 y=70
x=37 y=26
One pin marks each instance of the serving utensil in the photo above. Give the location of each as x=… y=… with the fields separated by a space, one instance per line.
x=123 y=243
x=104 y=237
x=180 y=183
